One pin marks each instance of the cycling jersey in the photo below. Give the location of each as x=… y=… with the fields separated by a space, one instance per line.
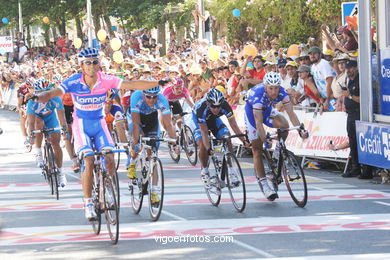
x=89 y=103
x=168 y=93
x=258 y=100
x=46 y=111
x=22 y=90
x=139 y=106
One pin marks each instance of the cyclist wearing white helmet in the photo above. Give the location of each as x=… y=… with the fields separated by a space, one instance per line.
x=144 y=115
x=259 y=110
x=206 y=116
x=89 y=93
x=47 y=112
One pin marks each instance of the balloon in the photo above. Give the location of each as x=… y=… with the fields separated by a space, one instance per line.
x=213 y=53
x=250 y=50
x=77 y=43
x=4 y=20
x=46 y=19
x=101 y=35
x=293 y=50
x=236 y=13
x=116 y=44
x=118 y=57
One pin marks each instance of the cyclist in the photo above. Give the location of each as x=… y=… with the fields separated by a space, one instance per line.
x=206 y=116
x=144 y=114
x=47 y=113
x=25 y=88
x=114 y=113
x=259 y=110
x=174 y=93
x=89 y=93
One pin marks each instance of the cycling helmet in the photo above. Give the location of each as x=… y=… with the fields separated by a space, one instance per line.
x=272 y=79
x=88 y=53
x=57 y=78
x=152 y=91
x=179 y=82
x=42 y=84
x=215 y=97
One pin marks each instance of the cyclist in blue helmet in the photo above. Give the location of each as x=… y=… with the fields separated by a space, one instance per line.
x=144 y=115
x=89 y=93
x=49 y=115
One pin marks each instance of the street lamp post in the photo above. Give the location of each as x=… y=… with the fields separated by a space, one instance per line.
x=89 y=23
x=20 y=19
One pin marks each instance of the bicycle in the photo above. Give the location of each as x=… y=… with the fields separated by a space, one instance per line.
x=104 y=195
x=186 y=141
x=149 y=173
x=230 y=168
x=283 y=165
x=49 y=170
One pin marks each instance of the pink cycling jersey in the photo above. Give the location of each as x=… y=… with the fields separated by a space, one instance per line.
x=168 y=93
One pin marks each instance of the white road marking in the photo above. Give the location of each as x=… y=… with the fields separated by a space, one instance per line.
x=383 y=203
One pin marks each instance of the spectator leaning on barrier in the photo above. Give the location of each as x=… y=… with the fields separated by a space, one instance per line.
x=323 y=74
x=340 y=81
x=352 y=106
x=311 y=95
x=253 y=76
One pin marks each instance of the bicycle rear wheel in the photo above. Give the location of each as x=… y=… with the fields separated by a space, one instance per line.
x=96 y=223
x=111 y=210
x=214 y=191
x=190 y=146
x=235 y=182
x=55 y=183
x=52 y=171
x=136 y=188
x=175 y=156
x=156 y=190
x=117 y=156
x=115 y=182
x=295 y=180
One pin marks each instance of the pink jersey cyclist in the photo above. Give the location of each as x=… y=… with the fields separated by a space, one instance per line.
x=176 y=92
x=88 y=117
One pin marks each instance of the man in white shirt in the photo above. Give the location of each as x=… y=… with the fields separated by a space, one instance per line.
x=323 y=74
x=22 y=51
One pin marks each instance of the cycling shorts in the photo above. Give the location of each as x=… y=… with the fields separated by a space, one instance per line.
x=268 y=116
x=69 y=114
x=216 y=126
x=51 y=121
x=175 y=107
x=91 y=133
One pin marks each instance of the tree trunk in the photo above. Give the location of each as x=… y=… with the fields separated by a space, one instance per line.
x=161 y=38
x=28 y=38
x=62 y=25
x=79 y=28
x=109 y=25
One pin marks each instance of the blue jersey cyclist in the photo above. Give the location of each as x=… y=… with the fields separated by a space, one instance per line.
x=259 y=110
x=89 y=94
x=144 y=114
x=45 y=114
x=206 y=116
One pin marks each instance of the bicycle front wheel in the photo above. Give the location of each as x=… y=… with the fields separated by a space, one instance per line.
x=115 y=182
x=111 y=210
x=136 y=188
x=214 y=191
x=156 y=190
x=235 y=182
x=174 y=155
x=295 y=180
x=96 y=223
x=190 y=146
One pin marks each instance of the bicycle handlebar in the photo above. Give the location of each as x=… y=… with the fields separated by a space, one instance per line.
x=102 y=153
x=279 y=131
x=157 y=139
x=46 y=130
x=233 y=136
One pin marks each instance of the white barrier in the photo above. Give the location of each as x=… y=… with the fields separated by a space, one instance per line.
x=10 y=97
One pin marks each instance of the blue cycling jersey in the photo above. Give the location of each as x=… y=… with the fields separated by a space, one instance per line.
x=138 y=104
x=43 y=110
x=257 y=98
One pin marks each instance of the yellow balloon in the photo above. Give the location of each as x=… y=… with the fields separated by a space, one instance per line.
x=250 y=50
x=101 y=35
x=46 y=19
x=118 y=57
x=293 y=50
x=77 y=43
x=116 y=44
x=213 y=53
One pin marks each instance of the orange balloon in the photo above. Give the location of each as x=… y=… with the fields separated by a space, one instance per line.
x=293 y=50
x=250 y=50
x=46 y=19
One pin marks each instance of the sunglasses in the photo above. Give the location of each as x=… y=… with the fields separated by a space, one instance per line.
x=151 y=96
x=90 y=62
x=214 y=106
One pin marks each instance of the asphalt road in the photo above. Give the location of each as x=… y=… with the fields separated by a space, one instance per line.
x=344 y=218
